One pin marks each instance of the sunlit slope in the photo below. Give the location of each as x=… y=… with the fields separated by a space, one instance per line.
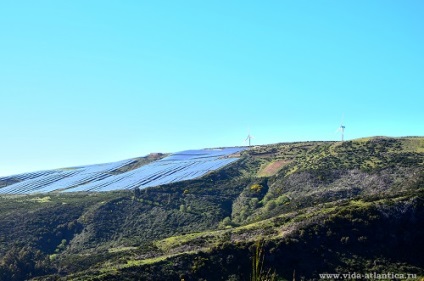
x=127 y=174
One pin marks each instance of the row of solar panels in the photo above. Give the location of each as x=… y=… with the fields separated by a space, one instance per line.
x=180 y=166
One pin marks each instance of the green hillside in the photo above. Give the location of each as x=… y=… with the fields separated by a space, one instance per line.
x=301 y=209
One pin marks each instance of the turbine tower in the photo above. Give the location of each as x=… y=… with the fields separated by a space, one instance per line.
x=249 y=137
x=341 y=128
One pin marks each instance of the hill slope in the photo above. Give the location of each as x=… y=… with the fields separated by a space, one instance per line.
x=317 y=207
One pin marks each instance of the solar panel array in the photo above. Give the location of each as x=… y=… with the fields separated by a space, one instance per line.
x=177 y=167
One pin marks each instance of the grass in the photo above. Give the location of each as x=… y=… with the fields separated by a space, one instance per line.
x=272 y=168
x=359 y=203
x=413 y=145
x=175 y=241
x=121 y=249
x=109 y=268
x=41 y=199
x=131 y=263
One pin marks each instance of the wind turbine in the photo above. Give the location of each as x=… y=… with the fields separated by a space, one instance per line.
x=249 y=137
x=341 y=129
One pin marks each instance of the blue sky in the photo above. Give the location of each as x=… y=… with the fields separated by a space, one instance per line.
x=85 y=82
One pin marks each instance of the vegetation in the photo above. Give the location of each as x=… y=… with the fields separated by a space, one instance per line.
x=316 y=207
x=258 y=271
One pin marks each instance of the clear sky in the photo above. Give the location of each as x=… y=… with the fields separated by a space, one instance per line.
x=84 y=82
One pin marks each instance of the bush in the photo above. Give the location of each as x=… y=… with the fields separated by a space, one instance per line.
x=257 y=188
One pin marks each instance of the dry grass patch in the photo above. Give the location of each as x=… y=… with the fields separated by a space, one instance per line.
x=272 y=168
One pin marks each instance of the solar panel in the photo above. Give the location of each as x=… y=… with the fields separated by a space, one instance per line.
x=180 y=166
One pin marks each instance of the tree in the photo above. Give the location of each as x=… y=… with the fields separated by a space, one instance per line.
x=23 y=263
x=137 y=192
x=183 y=208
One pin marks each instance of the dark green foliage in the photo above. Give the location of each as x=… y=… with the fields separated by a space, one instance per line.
x=20 y=263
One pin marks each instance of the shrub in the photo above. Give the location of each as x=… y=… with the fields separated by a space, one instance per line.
x=257 y=188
